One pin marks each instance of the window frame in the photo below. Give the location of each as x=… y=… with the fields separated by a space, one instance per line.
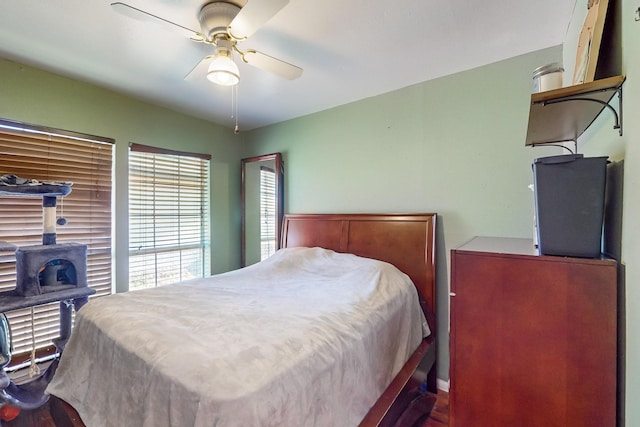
x=87 y=161
x=152 y=235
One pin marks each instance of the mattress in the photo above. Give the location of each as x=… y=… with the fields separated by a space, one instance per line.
x=308 y=337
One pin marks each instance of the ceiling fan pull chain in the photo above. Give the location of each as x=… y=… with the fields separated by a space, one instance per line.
x=234 y=102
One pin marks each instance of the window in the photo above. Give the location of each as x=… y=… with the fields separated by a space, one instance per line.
x=168 y=216
x=45 y=154
x=267 y=212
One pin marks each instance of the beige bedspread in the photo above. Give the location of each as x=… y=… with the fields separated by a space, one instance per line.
x=309 y=337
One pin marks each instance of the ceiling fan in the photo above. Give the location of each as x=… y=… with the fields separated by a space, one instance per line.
x=224 y=24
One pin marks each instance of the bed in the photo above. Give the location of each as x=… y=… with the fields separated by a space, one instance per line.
x=293 y=340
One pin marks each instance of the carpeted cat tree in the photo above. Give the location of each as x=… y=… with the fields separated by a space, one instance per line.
x=44 y=273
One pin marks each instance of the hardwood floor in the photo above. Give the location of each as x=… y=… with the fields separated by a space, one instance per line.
x=57 y=414
x=440 y=413
x=37 y=417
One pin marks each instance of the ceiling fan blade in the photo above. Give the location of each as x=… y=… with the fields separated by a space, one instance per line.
x=141 y=15
x=253 y=15
x=200 y=69
x=271 y=64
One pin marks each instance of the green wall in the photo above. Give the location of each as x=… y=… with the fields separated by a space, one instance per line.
x=34 y=96
x=602 y=140
x=454 y=146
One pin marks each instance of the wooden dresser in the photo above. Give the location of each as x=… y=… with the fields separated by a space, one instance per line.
x=533 y=338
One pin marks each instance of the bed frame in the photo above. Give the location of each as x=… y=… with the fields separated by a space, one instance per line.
x=404 y=240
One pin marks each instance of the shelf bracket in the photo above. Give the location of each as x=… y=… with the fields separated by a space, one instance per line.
x=617 y=114
x=559 y=143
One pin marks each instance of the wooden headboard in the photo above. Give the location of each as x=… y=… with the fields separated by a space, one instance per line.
x=404 y=240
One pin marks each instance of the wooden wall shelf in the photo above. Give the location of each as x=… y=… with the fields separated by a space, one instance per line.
x=562 y=115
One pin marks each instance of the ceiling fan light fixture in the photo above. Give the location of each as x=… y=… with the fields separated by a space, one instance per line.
x=223 y=70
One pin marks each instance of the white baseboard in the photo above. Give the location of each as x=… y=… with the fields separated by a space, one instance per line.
x=442 y=385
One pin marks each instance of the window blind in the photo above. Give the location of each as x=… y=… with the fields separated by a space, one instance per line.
x=268 y=224
x=46 y=154
x=168 y=216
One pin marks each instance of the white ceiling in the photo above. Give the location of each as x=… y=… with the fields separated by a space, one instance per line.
x=349 y=50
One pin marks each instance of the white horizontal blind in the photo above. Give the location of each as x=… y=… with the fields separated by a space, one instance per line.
x=46 y=154
x=168 y=216
x=268 y=224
